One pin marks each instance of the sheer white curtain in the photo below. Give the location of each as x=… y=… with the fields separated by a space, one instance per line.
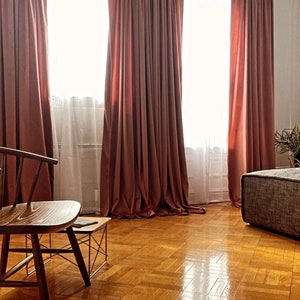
x=206 y=45
x=77 y=58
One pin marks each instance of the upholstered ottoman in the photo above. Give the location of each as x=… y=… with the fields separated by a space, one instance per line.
x=271 y=199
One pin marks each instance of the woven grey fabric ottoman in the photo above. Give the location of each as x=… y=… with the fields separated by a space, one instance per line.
x=271 y=199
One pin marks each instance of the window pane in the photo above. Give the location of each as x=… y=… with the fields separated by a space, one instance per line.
x=77 y=47
x=206 y=45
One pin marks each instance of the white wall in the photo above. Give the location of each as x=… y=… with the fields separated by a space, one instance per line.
x=287 y=67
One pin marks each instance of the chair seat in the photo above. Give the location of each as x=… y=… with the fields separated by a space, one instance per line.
x=38 y=217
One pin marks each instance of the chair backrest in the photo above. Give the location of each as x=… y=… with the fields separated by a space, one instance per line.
x=19 y=158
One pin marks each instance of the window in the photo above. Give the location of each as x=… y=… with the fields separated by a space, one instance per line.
x=206 y=49
x=77 y=47
x=77 y=62
x=206 y=42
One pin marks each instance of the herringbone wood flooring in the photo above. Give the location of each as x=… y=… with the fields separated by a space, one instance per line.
x=212 y=256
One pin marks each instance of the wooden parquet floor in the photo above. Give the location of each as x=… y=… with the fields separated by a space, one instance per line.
x=212 y=256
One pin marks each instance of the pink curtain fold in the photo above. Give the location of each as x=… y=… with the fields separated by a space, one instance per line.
x=251 y=102
x=143 y=167
x=24 y=93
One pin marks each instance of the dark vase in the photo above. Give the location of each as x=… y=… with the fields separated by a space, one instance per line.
x=297 y=160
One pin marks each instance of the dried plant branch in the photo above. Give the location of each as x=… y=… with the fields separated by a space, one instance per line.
x=288 y=140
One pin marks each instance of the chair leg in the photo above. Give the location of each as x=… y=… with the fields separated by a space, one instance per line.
x=78 y=256
x=39 y=267
x=4 y=253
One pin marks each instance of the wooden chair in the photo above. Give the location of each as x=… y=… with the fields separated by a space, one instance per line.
x=33 y=218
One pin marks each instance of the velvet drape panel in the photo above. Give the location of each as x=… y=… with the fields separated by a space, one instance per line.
x=24 y=93
x=143 y=167
x=251 y=103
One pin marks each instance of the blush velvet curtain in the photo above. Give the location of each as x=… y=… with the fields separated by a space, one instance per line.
x=251 y=103
x=143 y=166
x=25 y=121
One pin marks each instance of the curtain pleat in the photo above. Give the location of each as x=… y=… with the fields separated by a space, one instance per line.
x=251 y=103
x=143 y=167
x=25 y=108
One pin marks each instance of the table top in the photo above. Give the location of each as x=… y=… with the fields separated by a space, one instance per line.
x=101 y=222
